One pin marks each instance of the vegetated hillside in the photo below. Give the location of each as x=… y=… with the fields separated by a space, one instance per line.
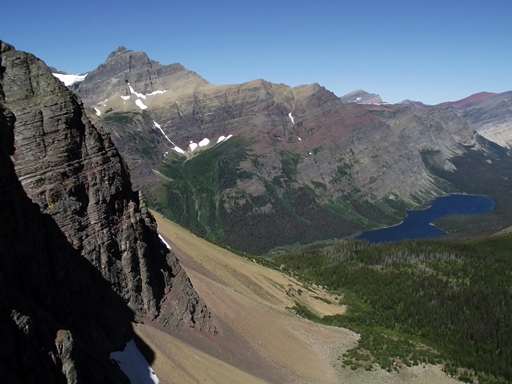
x=260 y=338
x=287 y=165
x=415 y=302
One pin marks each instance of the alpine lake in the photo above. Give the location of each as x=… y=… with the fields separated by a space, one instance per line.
x=418 y=223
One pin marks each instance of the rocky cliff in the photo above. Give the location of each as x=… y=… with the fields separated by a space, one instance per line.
x=491 y=117
x=434 y=129
x=80 y=254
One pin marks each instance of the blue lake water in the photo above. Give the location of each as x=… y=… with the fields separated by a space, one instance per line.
x=418 y=224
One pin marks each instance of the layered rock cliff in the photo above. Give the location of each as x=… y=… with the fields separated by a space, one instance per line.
x=491 y=117
x=81 y=257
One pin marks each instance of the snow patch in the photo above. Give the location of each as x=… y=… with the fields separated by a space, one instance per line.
x=204 y=142
x=142 y=96
x=223 y=138
x=140 y=104
x=163 y=133
x=299 y=138
x=156 y=92
x=98 y=112
x=162 y=239
x=126 y=97
x=192 y=146
x=178 y=149
x=69 y=79
x=136 y=93
x=291 y=117
x=134 y=365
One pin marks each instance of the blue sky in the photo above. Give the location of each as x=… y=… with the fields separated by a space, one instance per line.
x=431 y=51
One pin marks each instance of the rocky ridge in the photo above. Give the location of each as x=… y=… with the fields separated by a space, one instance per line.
x=85 y=259
x=491 y=117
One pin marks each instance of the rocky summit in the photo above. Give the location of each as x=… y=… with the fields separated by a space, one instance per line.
x=361 y=97
x=260 y=165
x=81 y=258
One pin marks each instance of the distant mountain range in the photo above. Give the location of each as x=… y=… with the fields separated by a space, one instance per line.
x=300 y=165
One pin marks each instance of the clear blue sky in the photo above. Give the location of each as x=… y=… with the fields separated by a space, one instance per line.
x=426 y=50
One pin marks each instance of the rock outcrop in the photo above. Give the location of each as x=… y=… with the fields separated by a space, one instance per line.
x=435 y=129
x=491 y=117
x=81 y=257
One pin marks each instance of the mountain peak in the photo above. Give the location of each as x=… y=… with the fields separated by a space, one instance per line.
x=360 y=96
x=119 y=50
x=145 y=76
x=4 y=47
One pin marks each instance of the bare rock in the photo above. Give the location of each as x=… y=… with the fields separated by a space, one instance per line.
x=81 y=258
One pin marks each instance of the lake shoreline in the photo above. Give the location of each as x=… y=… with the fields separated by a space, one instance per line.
x=419 y=223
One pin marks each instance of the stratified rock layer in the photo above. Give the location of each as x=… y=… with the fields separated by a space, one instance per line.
x=59 y=318
x=491 y=117
x=86 y=211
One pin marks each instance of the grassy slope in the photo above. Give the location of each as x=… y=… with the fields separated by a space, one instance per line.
x=259 y=337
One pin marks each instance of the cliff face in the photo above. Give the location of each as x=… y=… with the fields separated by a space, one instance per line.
x=491 y=117
x=436 y=129
x=84 y=260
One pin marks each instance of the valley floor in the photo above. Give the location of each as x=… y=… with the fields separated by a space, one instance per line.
x=260 y=340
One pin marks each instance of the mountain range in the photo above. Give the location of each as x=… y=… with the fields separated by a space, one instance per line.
x=257 y=167
x=301 y=164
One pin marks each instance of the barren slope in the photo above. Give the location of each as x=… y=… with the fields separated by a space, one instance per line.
x=259 y=340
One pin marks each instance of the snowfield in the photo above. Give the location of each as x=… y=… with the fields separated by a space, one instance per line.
x=140 y=104
x=134 y=365
x=204 y=142
x=69 y=79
